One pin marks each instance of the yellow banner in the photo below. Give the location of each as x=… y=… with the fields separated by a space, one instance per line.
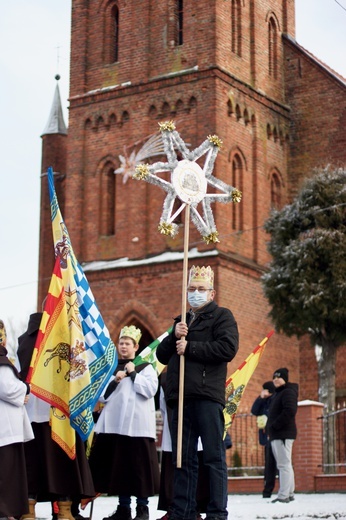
x=236 y=383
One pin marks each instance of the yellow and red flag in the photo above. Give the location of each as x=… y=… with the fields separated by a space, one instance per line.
x=236 y=383
x=74 y=356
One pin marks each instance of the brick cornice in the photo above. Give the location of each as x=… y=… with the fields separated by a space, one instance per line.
x=170 y=80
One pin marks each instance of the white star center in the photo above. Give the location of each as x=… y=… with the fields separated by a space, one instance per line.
x=189 y=182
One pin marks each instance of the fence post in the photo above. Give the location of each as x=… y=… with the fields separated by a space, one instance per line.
x=308 y=447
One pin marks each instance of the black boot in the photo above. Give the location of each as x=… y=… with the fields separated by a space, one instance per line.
x=122 y=513
x=142 y=513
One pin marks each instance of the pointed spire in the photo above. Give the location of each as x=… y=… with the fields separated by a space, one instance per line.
x=56 y=123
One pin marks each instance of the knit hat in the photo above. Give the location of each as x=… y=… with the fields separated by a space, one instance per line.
x=202 y=274
x=269 y=385
x=281 y=372
x=2 y=334
x=131 y=332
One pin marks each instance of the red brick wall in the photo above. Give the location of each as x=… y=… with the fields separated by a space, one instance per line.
x=288 y=124
x=307 y=449
x=317 y=100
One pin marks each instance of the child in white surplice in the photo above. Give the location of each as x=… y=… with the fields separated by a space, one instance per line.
x=123 y=460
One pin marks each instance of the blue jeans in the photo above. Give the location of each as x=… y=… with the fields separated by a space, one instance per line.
x=204 y=419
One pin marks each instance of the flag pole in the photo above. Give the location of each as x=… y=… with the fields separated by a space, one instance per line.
x=183 y=319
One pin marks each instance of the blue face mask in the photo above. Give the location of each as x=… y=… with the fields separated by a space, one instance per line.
x=197 y=299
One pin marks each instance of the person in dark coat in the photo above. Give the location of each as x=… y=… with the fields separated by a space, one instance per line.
x=260 y=408
x=208 y=340
x=282 y=431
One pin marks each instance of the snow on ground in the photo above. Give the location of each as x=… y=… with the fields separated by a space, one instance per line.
x=240 y=507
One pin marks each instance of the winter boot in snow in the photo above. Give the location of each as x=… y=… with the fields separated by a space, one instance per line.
x=31 y=514
x=121 y=513
x=142 y=513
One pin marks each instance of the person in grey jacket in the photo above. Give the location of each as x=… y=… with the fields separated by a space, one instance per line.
x=208 y=340
x=282 y=431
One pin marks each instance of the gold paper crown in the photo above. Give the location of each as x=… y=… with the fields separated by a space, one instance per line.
x=2 y=334
x=131 y=332
x=202 y=274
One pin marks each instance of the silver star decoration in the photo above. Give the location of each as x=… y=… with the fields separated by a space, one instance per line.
x=189 y=182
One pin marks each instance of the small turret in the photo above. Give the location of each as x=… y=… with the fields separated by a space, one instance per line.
x=54 y=154
x=56 y=123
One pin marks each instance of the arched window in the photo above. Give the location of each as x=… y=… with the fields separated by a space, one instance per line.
x=275 y=190
x=111 y=40
x=273 y=48
x=178 y=22
x=237 y=175
x=107 y=205
x=236 y=26
x=115 y=23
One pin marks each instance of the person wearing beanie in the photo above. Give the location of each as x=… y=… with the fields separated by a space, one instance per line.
x=207 y=337
x=282 y=431
x=123 y=460
x=260 y=408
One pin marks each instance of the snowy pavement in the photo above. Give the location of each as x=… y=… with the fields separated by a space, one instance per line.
x=240 y=507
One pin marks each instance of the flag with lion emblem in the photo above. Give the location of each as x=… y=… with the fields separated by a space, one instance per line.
x=74 y=356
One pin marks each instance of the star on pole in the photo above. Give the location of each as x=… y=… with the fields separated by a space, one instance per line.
x=189 y=182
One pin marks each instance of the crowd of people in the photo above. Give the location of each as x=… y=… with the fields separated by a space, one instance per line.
x=123 y=461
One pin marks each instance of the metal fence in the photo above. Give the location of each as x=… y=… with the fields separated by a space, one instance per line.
x=334 y=441
x=246 y=457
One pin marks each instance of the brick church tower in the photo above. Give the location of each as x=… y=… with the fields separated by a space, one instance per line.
x=225 y=67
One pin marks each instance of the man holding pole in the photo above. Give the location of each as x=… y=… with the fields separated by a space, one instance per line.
x=208 y=340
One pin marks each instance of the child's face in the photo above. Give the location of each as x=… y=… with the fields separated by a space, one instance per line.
x=127 y=348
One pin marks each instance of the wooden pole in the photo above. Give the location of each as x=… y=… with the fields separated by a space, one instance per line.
x=183 y=319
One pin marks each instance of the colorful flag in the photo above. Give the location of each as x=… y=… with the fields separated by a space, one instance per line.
x=236 y=383
x=148 y=355
x=74 y=356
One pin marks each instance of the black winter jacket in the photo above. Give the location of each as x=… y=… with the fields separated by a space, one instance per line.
x=212 y=341
x=26 y=343
x=282 y=412
x=261 y=407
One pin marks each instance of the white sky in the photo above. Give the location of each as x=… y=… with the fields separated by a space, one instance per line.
x=32 y=36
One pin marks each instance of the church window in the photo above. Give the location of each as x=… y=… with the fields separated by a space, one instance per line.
x=238 y=112
x=152 y=111
x=115 y=39
x=237 y=175
x=276 y=191
x=230 y=109
x=236 y=26
x=192 y=102
x=178 y=22
x=107 y=209
x=273 y=48
x=111 y=44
